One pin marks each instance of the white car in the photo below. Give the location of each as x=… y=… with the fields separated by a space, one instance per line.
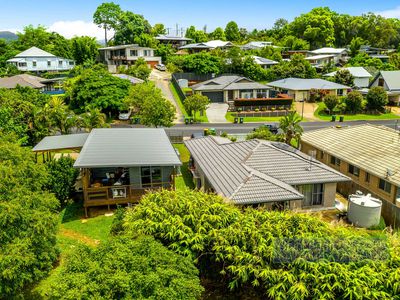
x=124 y=115
x=161 y=67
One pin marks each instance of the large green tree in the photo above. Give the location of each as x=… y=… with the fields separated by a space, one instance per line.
x=377 y=98
x=84 y=49
x=107 y=16
x=202 y=63
x=96 y=88
x=232 y=32
x=28 y=220
x=196 y=103
x=129 y=27
x=343 y=76
x=297 y=67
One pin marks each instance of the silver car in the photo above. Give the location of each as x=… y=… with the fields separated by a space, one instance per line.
x=124 y=115
x=161 y=67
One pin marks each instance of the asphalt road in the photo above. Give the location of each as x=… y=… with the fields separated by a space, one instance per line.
x=187 y=130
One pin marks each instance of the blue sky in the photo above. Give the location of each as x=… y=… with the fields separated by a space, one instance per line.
x=71 y=17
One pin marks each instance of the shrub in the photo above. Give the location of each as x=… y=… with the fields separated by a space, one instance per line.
x=330 y=102
x=123 y=268
x=354 y=102
x=377 y=98
x=279 y=255
x=62 y=177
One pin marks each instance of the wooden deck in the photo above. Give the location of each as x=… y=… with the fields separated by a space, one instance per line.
x=116 y=194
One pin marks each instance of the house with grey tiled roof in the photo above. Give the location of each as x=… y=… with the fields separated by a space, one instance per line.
x=262 y=172
x=231 y=87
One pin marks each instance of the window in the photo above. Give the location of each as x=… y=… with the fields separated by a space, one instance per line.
x=151 y=177
x=22 y=64
x=246 y=94
x=146 y=52
x=34 y=64
x=321 y=154
x=335 y=161
x=48 y=63
x=71 y=63
x=354 y=170
x=134 y=53
x=385 y=186
x=60 y=63
x=381 y=82
x=313 y=194
x=262 y=94
x=340 y=92
x=367 y=177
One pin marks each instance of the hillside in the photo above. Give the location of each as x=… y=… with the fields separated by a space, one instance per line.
x=8 y=35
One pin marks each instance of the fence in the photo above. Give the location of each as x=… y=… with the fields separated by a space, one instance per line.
x=391 y=214
x=280 y=113
x=259 y=107
x=177 y=87
x=175 y=138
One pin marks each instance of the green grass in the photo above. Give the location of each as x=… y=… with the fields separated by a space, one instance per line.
x=320 y=113
x=229 y=117
x=186 y=179
x=199 y=118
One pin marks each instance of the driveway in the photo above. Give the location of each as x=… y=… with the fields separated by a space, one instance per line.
x=216 y=112
x=308 y=112
x=162 y=80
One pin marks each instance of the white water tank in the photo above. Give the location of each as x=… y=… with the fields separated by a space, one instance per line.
x=364 y=210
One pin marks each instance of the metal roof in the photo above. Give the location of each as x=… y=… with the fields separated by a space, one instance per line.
x=257 y=171
x=132 y=79
x=357 y=72
x=264 y=61
x=171 y=38
x=319 y=56
x=391 y=78
x=228 y=82
x=127 y=147
x=34 y=52
x=135 y=46
x=373 y=148
x=59 y=142
x=208 y=45
x=329 y=50
x=300 y=84
x=23 y=80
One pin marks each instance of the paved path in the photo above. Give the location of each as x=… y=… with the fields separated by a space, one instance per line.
x=216 y=112
x=307 y=110
x=162 y=80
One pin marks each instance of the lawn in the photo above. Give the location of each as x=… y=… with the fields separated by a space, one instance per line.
x=186 y=179
x=199 y=118
x=321 y=114
x=229 y=117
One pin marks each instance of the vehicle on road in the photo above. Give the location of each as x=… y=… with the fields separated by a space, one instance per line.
x=161 y=67
x=273 y=128
x=124 y=115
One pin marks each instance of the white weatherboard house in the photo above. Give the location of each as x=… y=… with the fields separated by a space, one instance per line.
x=340 y=55
x=361 y=76
x=38 y=60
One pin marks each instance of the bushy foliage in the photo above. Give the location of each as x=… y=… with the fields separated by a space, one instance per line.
x=139 y=69
x=62 y=177
x=202 y=63
x=354 y=102
x=96 y=88
x=377 y=98
x=123 y=268
x=196 y=103
x=297 y=67
x=344 y=77
x=330 y=102
x=279 y=255
x=263 y=133
x=28 y=220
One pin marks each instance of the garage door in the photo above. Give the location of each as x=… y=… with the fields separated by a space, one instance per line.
x=214 y=96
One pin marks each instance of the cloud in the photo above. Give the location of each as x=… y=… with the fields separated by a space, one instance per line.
x=70 y=29
x=390 y=13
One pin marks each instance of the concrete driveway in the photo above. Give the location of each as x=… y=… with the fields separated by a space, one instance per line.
x=216 y=112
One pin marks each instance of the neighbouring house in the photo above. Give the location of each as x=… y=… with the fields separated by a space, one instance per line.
x=390 y=81
x=126 y=55
x=340 y=55
x=118 y=165
x=48 y=86
x=174 y=41
x=287 y=55
x=321 y=60
x=262 y=172
x=368 y=154
x=38 y=60
x=374 y=52
x=206 y=46
x=257 y=45
x=265 y=63
x=361 y=76
x=300 y=89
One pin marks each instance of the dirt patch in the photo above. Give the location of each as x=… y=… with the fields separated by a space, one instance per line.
x=79 y=237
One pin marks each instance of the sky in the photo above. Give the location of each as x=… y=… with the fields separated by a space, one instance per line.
x=74 y=17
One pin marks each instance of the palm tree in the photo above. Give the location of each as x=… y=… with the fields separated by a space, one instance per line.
x=93 y=118
x=290 y=125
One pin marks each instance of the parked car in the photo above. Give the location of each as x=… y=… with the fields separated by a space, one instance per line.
x=161 y=67
x=273 y=128
x=124 y=115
